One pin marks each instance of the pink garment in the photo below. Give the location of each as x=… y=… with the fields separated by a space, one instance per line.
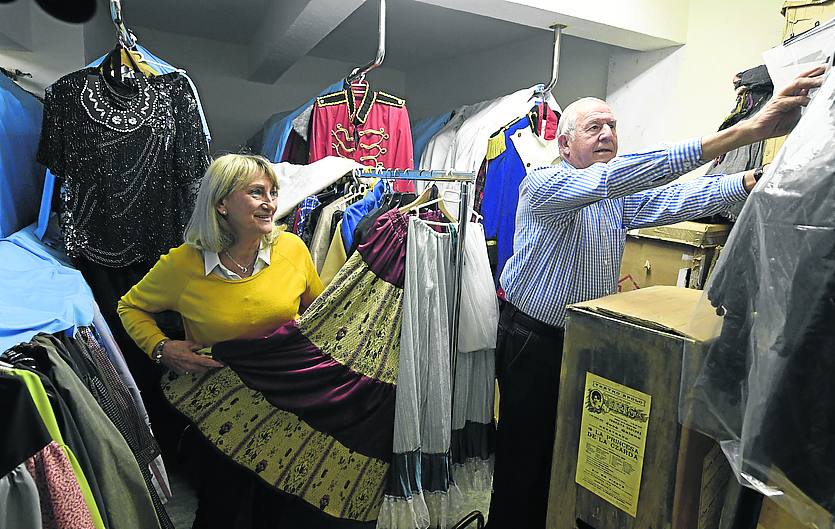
x=372 y=129
x=62 y=504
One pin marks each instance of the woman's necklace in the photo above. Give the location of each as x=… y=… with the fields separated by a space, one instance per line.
x=243 y=269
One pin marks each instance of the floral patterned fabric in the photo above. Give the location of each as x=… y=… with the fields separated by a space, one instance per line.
x=62 y=503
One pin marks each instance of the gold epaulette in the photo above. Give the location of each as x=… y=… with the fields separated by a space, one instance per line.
x=390 y=100
x=331 y=99
x=496 y=145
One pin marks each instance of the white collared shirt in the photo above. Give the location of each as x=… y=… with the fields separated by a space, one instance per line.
x=212 y=264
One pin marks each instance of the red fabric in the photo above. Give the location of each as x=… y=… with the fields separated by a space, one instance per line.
x=372 y=129
x=62 y=504
x=552 y=119
x=546 y=127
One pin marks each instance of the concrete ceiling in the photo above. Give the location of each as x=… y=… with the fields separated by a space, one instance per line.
x=416 y=33
x=223 y=20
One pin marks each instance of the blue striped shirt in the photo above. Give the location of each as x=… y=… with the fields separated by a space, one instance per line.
x=571 y=223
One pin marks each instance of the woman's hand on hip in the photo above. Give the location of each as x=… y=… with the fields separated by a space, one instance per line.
x=180 y=356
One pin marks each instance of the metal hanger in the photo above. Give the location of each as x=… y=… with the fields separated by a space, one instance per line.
x=358 y=74
x=125 y=36
x=543 y=89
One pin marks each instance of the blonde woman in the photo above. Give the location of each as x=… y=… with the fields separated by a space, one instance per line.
x=237 y=276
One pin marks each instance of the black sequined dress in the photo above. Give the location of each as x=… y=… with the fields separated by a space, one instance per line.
x=130 y=164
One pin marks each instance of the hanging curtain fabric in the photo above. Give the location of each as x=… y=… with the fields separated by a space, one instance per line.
x=20 y=177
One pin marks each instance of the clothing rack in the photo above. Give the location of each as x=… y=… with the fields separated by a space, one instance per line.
x=359 y=72
x=555 y=62
x=465 y=179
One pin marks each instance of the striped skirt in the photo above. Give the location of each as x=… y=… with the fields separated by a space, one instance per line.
x=310 y=408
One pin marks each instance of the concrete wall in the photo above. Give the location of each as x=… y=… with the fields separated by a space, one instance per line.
x=236 y=108
x=52 y=48
x=445 y=85
x=686 y=91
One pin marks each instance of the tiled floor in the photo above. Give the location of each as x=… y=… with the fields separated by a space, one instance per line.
x=183 y=504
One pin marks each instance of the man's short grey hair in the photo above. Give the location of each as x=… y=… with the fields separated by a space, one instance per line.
x=568 y=119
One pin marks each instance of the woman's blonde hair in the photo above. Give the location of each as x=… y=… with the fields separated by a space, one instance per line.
x=208 y=229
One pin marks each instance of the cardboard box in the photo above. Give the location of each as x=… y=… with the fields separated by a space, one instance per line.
x=680 y=255
x=803 y=15
x=635 y=473
x=771 y=147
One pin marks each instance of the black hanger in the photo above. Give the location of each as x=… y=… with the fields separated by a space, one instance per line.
x=15 y=74
x=112 y=65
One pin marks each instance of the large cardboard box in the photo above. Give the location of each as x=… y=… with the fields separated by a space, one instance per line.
x=803 y=15
x=621 y=458
x=680 y=255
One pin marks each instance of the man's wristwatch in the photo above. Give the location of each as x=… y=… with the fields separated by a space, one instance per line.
x=758 y=173
x=157 y=353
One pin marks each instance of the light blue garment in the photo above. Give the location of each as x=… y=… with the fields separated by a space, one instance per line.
x=424 y=130
x=269 y=139
x=571 y=223
x=279 y=130
x=356 y=211
x=20 y=175
x=160 y=66
x=46 y=204
x=38 y=293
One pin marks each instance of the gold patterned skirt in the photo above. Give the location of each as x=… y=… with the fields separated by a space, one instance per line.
x=310 y=408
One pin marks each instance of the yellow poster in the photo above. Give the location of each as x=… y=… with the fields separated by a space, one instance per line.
x=613 y=436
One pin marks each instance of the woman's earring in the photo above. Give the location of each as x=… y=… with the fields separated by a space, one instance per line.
x=223 y=212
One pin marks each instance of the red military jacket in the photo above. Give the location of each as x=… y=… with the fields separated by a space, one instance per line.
x=373 y=130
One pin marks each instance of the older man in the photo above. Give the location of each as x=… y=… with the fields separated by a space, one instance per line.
x=571 y=228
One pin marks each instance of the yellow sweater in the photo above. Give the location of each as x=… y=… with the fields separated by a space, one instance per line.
x=216 y=309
